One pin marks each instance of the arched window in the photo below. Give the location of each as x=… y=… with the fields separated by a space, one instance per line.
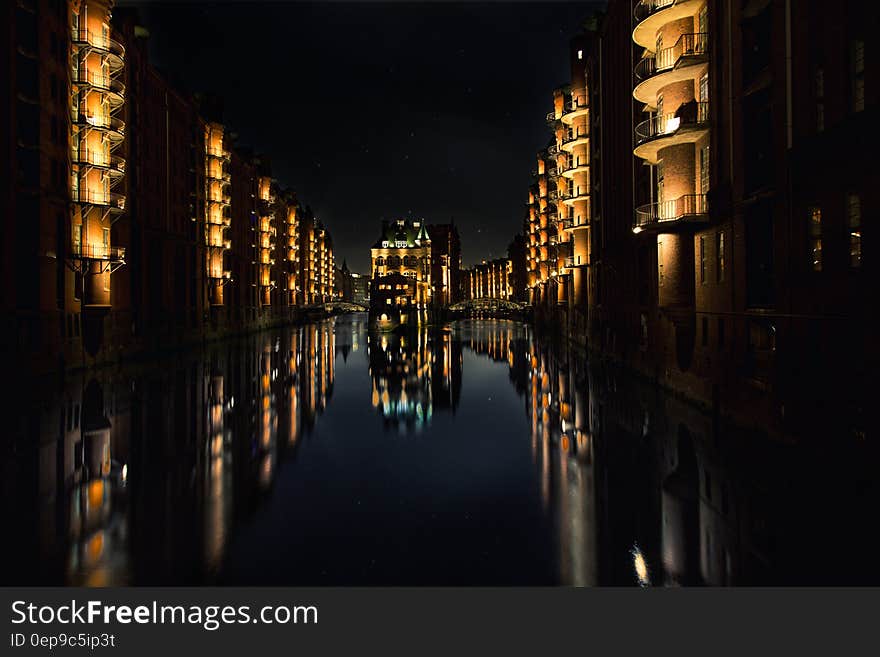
x=380 y=261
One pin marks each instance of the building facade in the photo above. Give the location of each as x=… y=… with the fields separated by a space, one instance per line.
x=488 y=280
x=139 y=222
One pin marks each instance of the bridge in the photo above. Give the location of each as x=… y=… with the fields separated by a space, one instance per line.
x=337 y=307
x=490 y=307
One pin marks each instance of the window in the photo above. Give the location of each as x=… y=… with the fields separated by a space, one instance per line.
x=820 y=99
x=720 y=333
x=702 y=259
x=816 y=238
x=704 y=88
x=854 y=220
x=704 y=170
x=580 y=54
x=703 y=20
x=719 y=256
x=857 y=74
x=660 y=262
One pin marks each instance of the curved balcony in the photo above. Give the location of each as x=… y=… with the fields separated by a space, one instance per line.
x=682 y=61
x=687 y=125
x=650 y=15
x=576 y=195
x=573 y=223
x=113 y=164
x=112 y=126
x=685 y=210
x=571 y=111
x=115 y=202
x=575 y=169
x=97 y=252
x=578 y=139
x=104 y=45
x=113 y=87
x=219 y=153
x=223 y=200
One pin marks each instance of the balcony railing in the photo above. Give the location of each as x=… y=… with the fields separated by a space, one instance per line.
x=575 y=193
x=98 y=159
x=98 y=80
x=99 y=197
x=551 y=117
x=575 y=222
x=689 y=116
x=690 y=206
x=687 y=46
x=647 y=7
x=102 y=121
x=574 y=137
x=97 y=252
x=98 y=41
x=217 y=152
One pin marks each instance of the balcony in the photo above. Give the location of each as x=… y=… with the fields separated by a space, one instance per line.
x=573 y=169
x=113 y=87
x=688 y=209
x=113 y=164
x=572 y=223
x=575 y=139
x=572 y=196
x=687 y=125
x=113 y=201
x=100 y=43
x=97 y=252
x=650 y=15
x=114 y=127
x=574 y=110
x=575 y=261
x=551 y=118
x=219 y=153
x=680 y=62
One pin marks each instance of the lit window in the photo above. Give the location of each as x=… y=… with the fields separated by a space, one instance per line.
x=816 y=238
x=580 y=54
x=660 y=262
x=857 y=66
x=854 y=220
x=719 y=256
x=702 y=258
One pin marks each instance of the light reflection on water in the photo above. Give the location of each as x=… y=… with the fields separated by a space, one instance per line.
x=476 y=454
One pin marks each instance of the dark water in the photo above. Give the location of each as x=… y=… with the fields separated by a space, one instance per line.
x=475 y=455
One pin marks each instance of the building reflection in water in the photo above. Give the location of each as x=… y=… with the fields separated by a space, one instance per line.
x=146 y=474
x=413 y=374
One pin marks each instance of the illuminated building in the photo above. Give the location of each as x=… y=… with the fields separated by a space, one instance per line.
x=559 y=210
x=488 y=280
x=400 y=262
x=264 y=239
x=97 y=96
x=288 y=247
x=445 y=263
x=218 y=214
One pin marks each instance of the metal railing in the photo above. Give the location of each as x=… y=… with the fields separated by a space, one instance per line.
x=576 y=193
x=97 y=252
x=99 y=197
x=217 y=152
x=690 y=115
x=688 y=45
x=98 y=41
x=647 y=7
x=103 y=121
x=97 y=159
x=689 y=205
x=572 y=107
x=575 y=222
x=575 y=137
x=98 y=80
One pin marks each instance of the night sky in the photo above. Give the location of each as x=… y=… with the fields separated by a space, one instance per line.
x=373 y=111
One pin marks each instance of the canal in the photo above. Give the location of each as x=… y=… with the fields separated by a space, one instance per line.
x=476 y=454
